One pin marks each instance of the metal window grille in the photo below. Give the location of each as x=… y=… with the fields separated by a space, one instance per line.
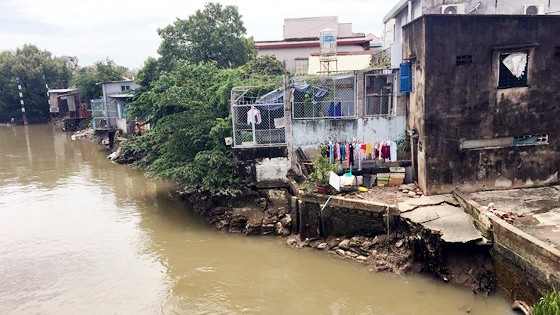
x=258 y=117
x=104 y=116
x=378 y=96
x=324 y=97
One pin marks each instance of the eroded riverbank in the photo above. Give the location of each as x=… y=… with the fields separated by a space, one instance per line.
x=81 y=235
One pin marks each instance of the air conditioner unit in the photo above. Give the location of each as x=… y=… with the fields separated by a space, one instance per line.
x=453 y=9
x=533 y=9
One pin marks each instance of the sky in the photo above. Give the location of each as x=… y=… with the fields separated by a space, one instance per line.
x=126 y=30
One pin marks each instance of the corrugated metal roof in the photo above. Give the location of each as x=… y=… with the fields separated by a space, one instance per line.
x=61 y=90
x=121 y=95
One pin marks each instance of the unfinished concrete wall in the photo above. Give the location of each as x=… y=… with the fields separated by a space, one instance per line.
x=263 y=167
x=464 y=101
x=341 y=217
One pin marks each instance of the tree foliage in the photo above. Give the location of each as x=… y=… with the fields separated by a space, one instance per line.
x=185 y=95
x=189 y=111
x=263 y=65
x=86 y=79
x=35 y=68
x=215 y=33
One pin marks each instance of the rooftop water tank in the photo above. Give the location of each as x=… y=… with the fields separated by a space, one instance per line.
x=327 y=40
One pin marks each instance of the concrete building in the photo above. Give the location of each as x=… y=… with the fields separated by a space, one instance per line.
x=301 y=40
x=483 y=100
x=405 y=11
x=351 y=107
x=110 y=112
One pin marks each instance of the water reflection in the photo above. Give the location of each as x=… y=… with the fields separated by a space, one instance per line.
x=82 y=235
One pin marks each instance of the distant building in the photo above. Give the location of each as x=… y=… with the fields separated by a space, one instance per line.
x=301 y=40
x=65 y=104
x=483 y=106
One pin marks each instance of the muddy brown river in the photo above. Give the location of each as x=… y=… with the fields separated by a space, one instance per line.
x=80 y=235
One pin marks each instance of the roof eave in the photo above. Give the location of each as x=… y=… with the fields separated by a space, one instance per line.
x=395 y=10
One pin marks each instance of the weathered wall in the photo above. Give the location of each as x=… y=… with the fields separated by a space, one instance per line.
x=414 y=47
x=263 y=167
x=463 y=102
x=342 y=217
x=536 y=265
x=526 y=267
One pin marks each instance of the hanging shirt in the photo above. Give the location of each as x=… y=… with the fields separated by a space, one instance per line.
x=350 y=155
x=369 y=148
x=336 y=151
x=393 y=146
x=254 y=116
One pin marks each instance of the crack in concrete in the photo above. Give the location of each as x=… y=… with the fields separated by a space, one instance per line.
x=431 y=205
x=437 y=217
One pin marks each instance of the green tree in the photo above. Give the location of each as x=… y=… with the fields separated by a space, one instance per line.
x=213 y=34
x=35 y=68
x=86 y=79
x=189 y=111
x=263 y=65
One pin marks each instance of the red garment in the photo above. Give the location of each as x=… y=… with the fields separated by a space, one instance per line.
x=385 y=152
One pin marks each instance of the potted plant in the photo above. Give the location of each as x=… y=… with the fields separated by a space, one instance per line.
x=319 y=178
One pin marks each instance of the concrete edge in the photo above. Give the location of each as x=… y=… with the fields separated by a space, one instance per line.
x=541 y=253
x=335 y=201
x=479 y=216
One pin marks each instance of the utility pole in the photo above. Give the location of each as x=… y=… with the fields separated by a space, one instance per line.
x=20 y=90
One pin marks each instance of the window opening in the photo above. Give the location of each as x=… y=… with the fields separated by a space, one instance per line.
x=530 y=140
x=513 y=70
x=378 y=95
x=463 y=60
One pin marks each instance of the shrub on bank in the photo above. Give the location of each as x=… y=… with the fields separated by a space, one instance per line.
x=548 y=305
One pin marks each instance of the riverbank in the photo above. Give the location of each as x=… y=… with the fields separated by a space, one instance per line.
x=406 y=248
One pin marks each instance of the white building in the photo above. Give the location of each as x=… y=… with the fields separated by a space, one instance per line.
x=301 y=40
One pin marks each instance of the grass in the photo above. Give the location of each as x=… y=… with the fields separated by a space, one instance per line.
x=548 y=305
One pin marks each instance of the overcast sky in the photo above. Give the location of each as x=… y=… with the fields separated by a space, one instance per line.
x=126 y=30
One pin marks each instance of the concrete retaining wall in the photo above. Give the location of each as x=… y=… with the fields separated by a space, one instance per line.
x=526 y=267
x=341 y=216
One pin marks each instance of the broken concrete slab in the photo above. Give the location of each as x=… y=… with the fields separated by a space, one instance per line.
x=411 y=204
x=520 y=201
x=452 y=222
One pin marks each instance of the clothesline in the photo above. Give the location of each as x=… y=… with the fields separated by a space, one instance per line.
x=352 y=153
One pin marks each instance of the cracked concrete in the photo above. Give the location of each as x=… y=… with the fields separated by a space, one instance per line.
x=414 y=203
x=441 y=213
x=537 y=210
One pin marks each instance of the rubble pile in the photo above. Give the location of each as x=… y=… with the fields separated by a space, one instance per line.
x=386 y=253
x=507 y=216
x=256 y=214
x=84 y=134
x=411 y=190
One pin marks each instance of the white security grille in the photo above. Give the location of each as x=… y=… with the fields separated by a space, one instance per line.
x=258 y=117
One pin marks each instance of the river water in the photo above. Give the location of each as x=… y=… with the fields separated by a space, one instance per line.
x=80 y=235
